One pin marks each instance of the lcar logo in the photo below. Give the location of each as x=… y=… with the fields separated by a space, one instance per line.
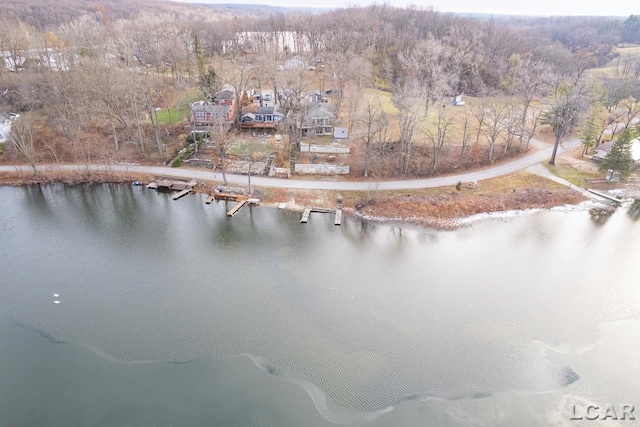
x=622 y=412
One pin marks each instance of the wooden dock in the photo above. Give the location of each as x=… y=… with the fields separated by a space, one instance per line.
x=229 y=196
x=237 y=207
x=606 y=196
x=305 y=215
x=181 y=194
x=209 y=199
x=338 y=218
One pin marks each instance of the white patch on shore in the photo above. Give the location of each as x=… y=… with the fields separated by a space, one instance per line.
x=453 y=223
x=580 y=207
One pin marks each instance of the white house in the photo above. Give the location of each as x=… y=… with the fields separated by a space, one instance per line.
x=5 y=126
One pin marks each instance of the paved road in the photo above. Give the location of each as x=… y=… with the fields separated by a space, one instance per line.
x=260 y=181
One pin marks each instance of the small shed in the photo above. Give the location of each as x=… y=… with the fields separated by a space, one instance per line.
x=340 y=133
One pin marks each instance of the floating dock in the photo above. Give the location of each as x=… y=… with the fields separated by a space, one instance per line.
x=181 y=194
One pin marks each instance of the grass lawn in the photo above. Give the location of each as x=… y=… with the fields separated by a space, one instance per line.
x=244 y=147
x=180 y=107
x=609 y=70
x=571 y=174
x=385 y=101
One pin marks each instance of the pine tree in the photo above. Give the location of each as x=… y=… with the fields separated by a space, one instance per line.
x=619 y=158
x=589 y=131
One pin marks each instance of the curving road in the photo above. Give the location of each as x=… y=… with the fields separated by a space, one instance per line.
x=260 y=181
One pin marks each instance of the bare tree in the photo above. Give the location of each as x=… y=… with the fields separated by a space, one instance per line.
x=22 y=139
x=438 y=134
x=375 y=120
x=466 y=128
x=570 y=101
x=495 y=122
x=631 y=108
x=527 y=79
x=404 y=98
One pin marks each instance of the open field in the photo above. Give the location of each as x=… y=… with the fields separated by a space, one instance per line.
x=611 y=69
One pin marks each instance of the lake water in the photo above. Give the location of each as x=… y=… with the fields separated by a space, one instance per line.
x=170 y=313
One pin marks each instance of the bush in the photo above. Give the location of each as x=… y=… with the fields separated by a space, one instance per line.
x=199 y=137
x=459 y=185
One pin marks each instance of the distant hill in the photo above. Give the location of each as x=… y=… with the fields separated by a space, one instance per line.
x=257 y=9
x=47 y=14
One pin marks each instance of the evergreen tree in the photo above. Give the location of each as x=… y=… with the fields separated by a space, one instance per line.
x=590 y=131
x=619 y=158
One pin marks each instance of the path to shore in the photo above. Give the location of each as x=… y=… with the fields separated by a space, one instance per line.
x=318 y=184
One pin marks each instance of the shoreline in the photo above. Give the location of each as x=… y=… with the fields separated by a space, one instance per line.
x=437 y=208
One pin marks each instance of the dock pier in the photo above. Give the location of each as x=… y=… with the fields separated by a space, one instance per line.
x=182 y=193
x=242 y=200
x=337 y=212
x=605 y=196
x=338 y=218
x=305 y=215
x=237 y=207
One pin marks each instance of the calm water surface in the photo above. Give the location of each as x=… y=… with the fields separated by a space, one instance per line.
x=504 y=321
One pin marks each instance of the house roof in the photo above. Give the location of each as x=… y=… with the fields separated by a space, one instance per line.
x=208 y=107
x=266 y=110
x=603 y=149
x=226 y=94
x=605 y=146
x=321 y=110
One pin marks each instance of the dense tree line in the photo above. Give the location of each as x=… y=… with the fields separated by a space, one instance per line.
x=89 y=77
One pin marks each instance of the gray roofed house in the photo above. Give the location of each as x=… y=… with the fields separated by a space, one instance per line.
x=225 y=97
x=262 y=117
x=318 y=119
x=203 y=113
x=314 y=96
